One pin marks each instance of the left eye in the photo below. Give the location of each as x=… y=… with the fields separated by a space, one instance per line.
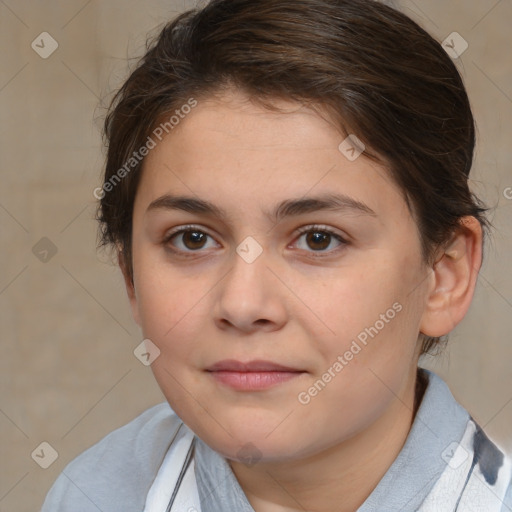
x=319 y=239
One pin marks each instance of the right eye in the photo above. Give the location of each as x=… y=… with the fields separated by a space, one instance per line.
x=187 y=239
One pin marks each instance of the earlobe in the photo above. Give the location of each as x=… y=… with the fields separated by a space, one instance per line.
x=455 y=273
x=130 y=287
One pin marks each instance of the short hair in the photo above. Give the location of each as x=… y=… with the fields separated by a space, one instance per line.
x=375 y=72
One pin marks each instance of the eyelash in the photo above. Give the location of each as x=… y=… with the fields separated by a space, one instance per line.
x=304 y=230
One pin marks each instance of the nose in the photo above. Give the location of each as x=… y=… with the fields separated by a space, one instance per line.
x=250 y=297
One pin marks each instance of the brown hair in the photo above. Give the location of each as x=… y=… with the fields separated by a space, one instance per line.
x=377 y=73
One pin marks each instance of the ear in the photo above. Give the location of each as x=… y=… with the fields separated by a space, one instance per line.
x=129 y=284
x=453 y=280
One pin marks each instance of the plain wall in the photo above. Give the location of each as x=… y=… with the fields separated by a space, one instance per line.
x=67 y=369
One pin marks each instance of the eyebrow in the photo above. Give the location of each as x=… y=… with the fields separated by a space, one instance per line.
x=287 y=208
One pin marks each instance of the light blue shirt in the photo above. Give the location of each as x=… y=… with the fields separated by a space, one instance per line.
x=116 y=474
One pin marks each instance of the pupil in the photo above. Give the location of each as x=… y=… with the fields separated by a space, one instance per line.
x=318 y=237
x=194 y=239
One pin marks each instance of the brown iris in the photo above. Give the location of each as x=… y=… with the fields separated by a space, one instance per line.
x=194 y=239
x=318 y=238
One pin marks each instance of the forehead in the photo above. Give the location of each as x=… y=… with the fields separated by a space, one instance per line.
x=251 y=125
x=229 y=149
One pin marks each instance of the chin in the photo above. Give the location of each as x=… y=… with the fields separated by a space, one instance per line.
x=249 y=443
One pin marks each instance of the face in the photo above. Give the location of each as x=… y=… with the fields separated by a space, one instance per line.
x=281 y=281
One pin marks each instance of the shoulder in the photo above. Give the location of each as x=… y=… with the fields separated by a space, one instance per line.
x=507 y=502
x=485 y=470
x=117 y=472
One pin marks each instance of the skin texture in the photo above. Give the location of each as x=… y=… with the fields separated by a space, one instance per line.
x=294 y=304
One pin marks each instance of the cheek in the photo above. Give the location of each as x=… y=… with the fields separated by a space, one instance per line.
x=371 y=319
x=166 y=312
x=171 y=311
x=347 y=303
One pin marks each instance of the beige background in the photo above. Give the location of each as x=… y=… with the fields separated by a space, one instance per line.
x=68 y=373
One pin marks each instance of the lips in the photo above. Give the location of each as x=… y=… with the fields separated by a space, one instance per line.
x=253 y=375
x=231 y=365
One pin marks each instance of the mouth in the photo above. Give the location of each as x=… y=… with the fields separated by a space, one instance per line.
x=253 y=375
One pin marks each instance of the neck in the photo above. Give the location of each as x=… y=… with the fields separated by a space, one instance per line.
x=340 y=478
